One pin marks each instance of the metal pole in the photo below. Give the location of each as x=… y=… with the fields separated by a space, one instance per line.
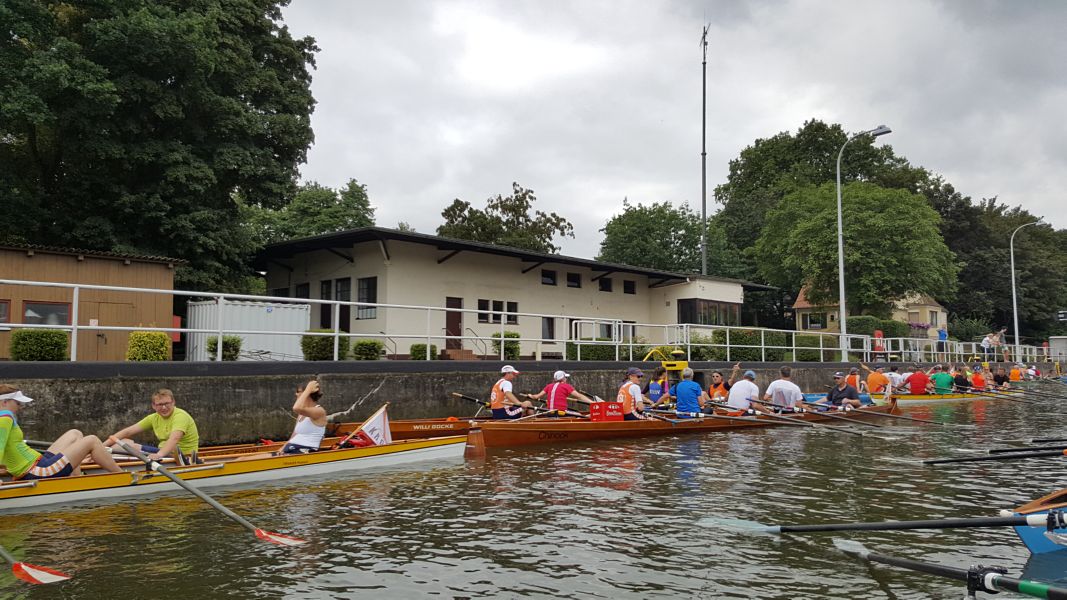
x=1014 y=305
x=74 y=330
x=218 y=346
x=704 y=159
x=336 y=331
x=427 y=334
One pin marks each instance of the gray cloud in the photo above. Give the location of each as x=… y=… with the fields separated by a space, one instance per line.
x=589 y=102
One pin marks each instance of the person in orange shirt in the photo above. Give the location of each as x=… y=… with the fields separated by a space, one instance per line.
x=1016 y=374
x=854 y=380
x=978 y=378
x=502 y=398
x=633 y=405
x=877 y=381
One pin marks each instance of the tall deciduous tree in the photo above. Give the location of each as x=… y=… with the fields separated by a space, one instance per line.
x=666 y=237
x=133 y=125
x=892 y=246
x=315 y=210
x=506 y=221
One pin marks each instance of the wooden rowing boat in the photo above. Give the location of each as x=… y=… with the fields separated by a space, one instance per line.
x=222 y=468
x=504 y=433
x=918 y=399
x=415 y=429
x=1034 y=537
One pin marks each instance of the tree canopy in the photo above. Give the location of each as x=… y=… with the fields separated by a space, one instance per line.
x=892 y=246
x=315 y=210
x=666 y=237
x=506 y=221
x=134 y=125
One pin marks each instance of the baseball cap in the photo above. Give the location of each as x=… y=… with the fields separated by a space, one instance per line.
x=838 y=375
x=750 y=374
x=876 y=367
x=560 y=375
x=634 y=371
x=509 y=369
x=17 y=395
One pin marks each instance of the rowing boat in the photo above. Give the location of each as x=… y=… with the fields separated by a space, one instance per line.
x=414 y=429
x=504 y=433
x=224 y=469
x=917 y=399
x=1035 y=538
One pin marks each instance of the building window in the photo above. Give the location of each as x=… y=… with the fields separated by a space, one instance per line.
x=913 y=316
x=629 y=287
x=813 y=321
x=5 y=311
x=302 y=290
x=548 y=328
x=605 y=284
x=548 y=277
x=325 y=310
x=342 y=289
x=498 y=307
x=513 y=307
x=933 y=318
x=367 y=291
x=708 y=312
x=483 y=310
x=574 y=280
x=46 y=313
x=604 y=331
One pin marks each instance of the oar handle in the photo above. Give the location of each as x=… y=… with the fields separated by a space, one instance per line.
x=942 y=461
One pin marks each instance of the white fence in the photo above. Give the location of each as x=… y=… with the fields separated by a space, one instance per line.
x=587 y=337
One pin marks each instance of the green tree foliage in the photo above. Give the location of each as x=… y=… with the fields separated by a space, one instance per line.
x=315 y=210
x=506 y=221
x=892 y=246
x=771 y=168
x=666 y=237
x=133 y=125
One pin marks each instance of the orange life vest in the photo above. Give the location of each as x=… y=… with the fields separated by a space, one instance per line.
x=1015 y=375
x=497 y=396
x=626 y=398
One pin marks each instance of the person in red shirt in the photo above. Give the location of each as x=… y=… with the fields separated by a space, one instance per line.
x=977 y=378
x=919 y=382
x=558 y=392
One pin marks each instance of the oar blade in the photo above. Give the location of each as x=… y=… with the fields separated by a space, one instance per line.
x=850 y=547
x=36 y=574
x=277 y=538
x=738 y=524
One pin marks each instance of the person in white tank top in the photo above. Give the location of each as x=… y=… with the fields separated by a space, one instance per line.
x=310 y=421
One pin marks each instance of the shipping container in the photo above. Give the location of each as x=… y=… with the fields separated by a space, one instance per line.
x=250 y=316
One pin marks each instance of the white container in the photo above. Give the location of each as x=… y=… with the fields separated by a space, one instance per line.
x=250 y=316
x=1057 y=347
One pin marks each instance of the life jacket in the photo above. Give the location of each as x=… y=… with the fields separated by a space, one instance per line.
x=977 y=381
x=497 y=397
x=1015 y=375
x=626 y=398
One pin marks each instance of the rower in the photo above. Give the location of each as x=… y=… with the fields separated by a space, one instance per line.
x=842 y=394
x=919 y=381
x=877 y=381
x=743 y=393
x=978 y=379
x=502 y=399
x=630 y=396
x=1016 y=373
x=960 y=381
x=719 y=388
x=658 y=389
x=1000 y=379
x=310 y=421
x=941 y=381
x=854 y=380
x=691 y=397
x=558 y=392
x=64 y=457
x=175 y=431
x=782 y=393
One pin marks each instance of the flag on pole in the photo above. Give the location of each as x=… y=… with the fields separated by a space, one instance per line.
x=372 y=432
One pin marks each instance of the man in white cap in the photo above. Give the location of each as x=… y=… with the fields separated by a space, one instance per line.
x=502 y=399
x=633 y=404
x=63 y=458
x=558 y=392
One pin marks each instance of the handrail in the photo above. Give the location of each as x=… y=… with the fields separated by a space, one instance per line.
x=481 y=342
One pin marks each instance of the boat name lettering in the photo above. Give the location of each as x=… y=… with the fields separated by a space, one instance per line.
x=435 y=426
x=551 y=435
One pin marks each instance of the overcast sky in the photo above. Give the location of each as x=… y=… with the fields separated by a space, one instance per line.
x=587 y=102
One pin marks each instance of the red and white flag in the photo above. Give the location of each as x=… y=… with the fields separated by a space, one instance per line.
x=375 y=430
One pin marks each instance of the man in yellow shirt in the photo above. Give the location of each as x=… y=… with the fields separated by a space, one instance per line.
x=172 y=426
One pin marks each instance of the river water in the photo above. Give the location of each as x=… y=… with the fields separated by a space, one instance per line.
x=632 y=519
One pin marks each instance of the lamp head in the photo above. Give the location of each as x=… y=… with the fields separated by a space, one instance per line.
x=880 y=130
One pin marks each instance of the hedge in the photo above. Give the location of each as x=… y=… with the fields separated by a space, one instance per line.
x=592 y=351
x=148 y=346
x=863 y=325
x=895 y=329
x=231 y=346
x=367 y=349
x=829 y=343
x=320 y=347
x=418 y=352
x=39 y=344
x=748 y=337
x=511 y=349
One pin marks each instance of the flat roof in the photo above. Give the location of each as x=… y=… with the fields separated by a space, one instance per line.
x=346 y=239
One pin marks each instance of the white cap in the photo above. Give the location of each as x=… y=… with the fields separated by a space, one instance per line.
x=509 y=369
x=16 y=395
x=560 y=375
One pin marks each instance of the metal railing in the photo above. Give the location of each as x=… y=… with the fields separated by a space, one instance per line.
x=598 y=338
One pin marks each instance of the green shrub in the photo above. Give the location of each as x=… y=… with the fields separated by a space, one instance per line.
x=511 y=349
x=748 y=337
x=592 y=351
x=863 y=325
x=320 y=347
x=418 y=352
x=367 y=349
x=231 y=346
x=148 y=346
x=967 y=329
x=812 y=341
x=894 y=329
x=700 y=348
x=39 y=344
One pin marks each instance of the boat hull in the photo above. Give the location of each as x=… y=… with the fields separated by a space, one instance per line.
x=20 y=495
x=1034 y=537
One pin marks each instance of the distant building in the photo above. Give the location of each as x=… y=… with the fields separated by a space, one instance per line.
x=916 y=310
x=54 y=306
x=378 y=265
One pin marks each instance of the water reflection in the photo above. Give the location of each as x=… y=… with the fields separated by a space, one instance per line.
x=627 y=519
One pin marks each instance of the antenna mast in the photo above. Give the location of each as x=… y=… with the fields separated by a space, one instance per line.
x=704 y=158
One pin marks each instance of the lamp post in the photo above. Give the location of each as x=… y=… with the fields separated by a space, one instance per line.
x=877 y=131
x=1014 y=305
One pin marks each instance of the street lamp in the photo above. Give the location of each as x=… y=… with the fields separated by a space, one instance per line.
x=1014 y=306
x=877 y=131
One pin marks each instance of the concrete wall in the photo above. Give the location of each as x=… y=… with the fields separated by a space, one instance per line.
x=234 y=402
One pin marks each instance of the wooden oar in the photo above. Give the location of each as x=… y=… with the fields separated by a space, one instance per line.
x=902 y=417
x=791 y=420
x=1047 y=440
x=274 y=538
x=830 y=413
x=34 y=574
x=1017 y=455
x=483 y=403
x=981 y=579
x=1024 y=449
x=1054 y=519
x=703 y=415
x=998 y=396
